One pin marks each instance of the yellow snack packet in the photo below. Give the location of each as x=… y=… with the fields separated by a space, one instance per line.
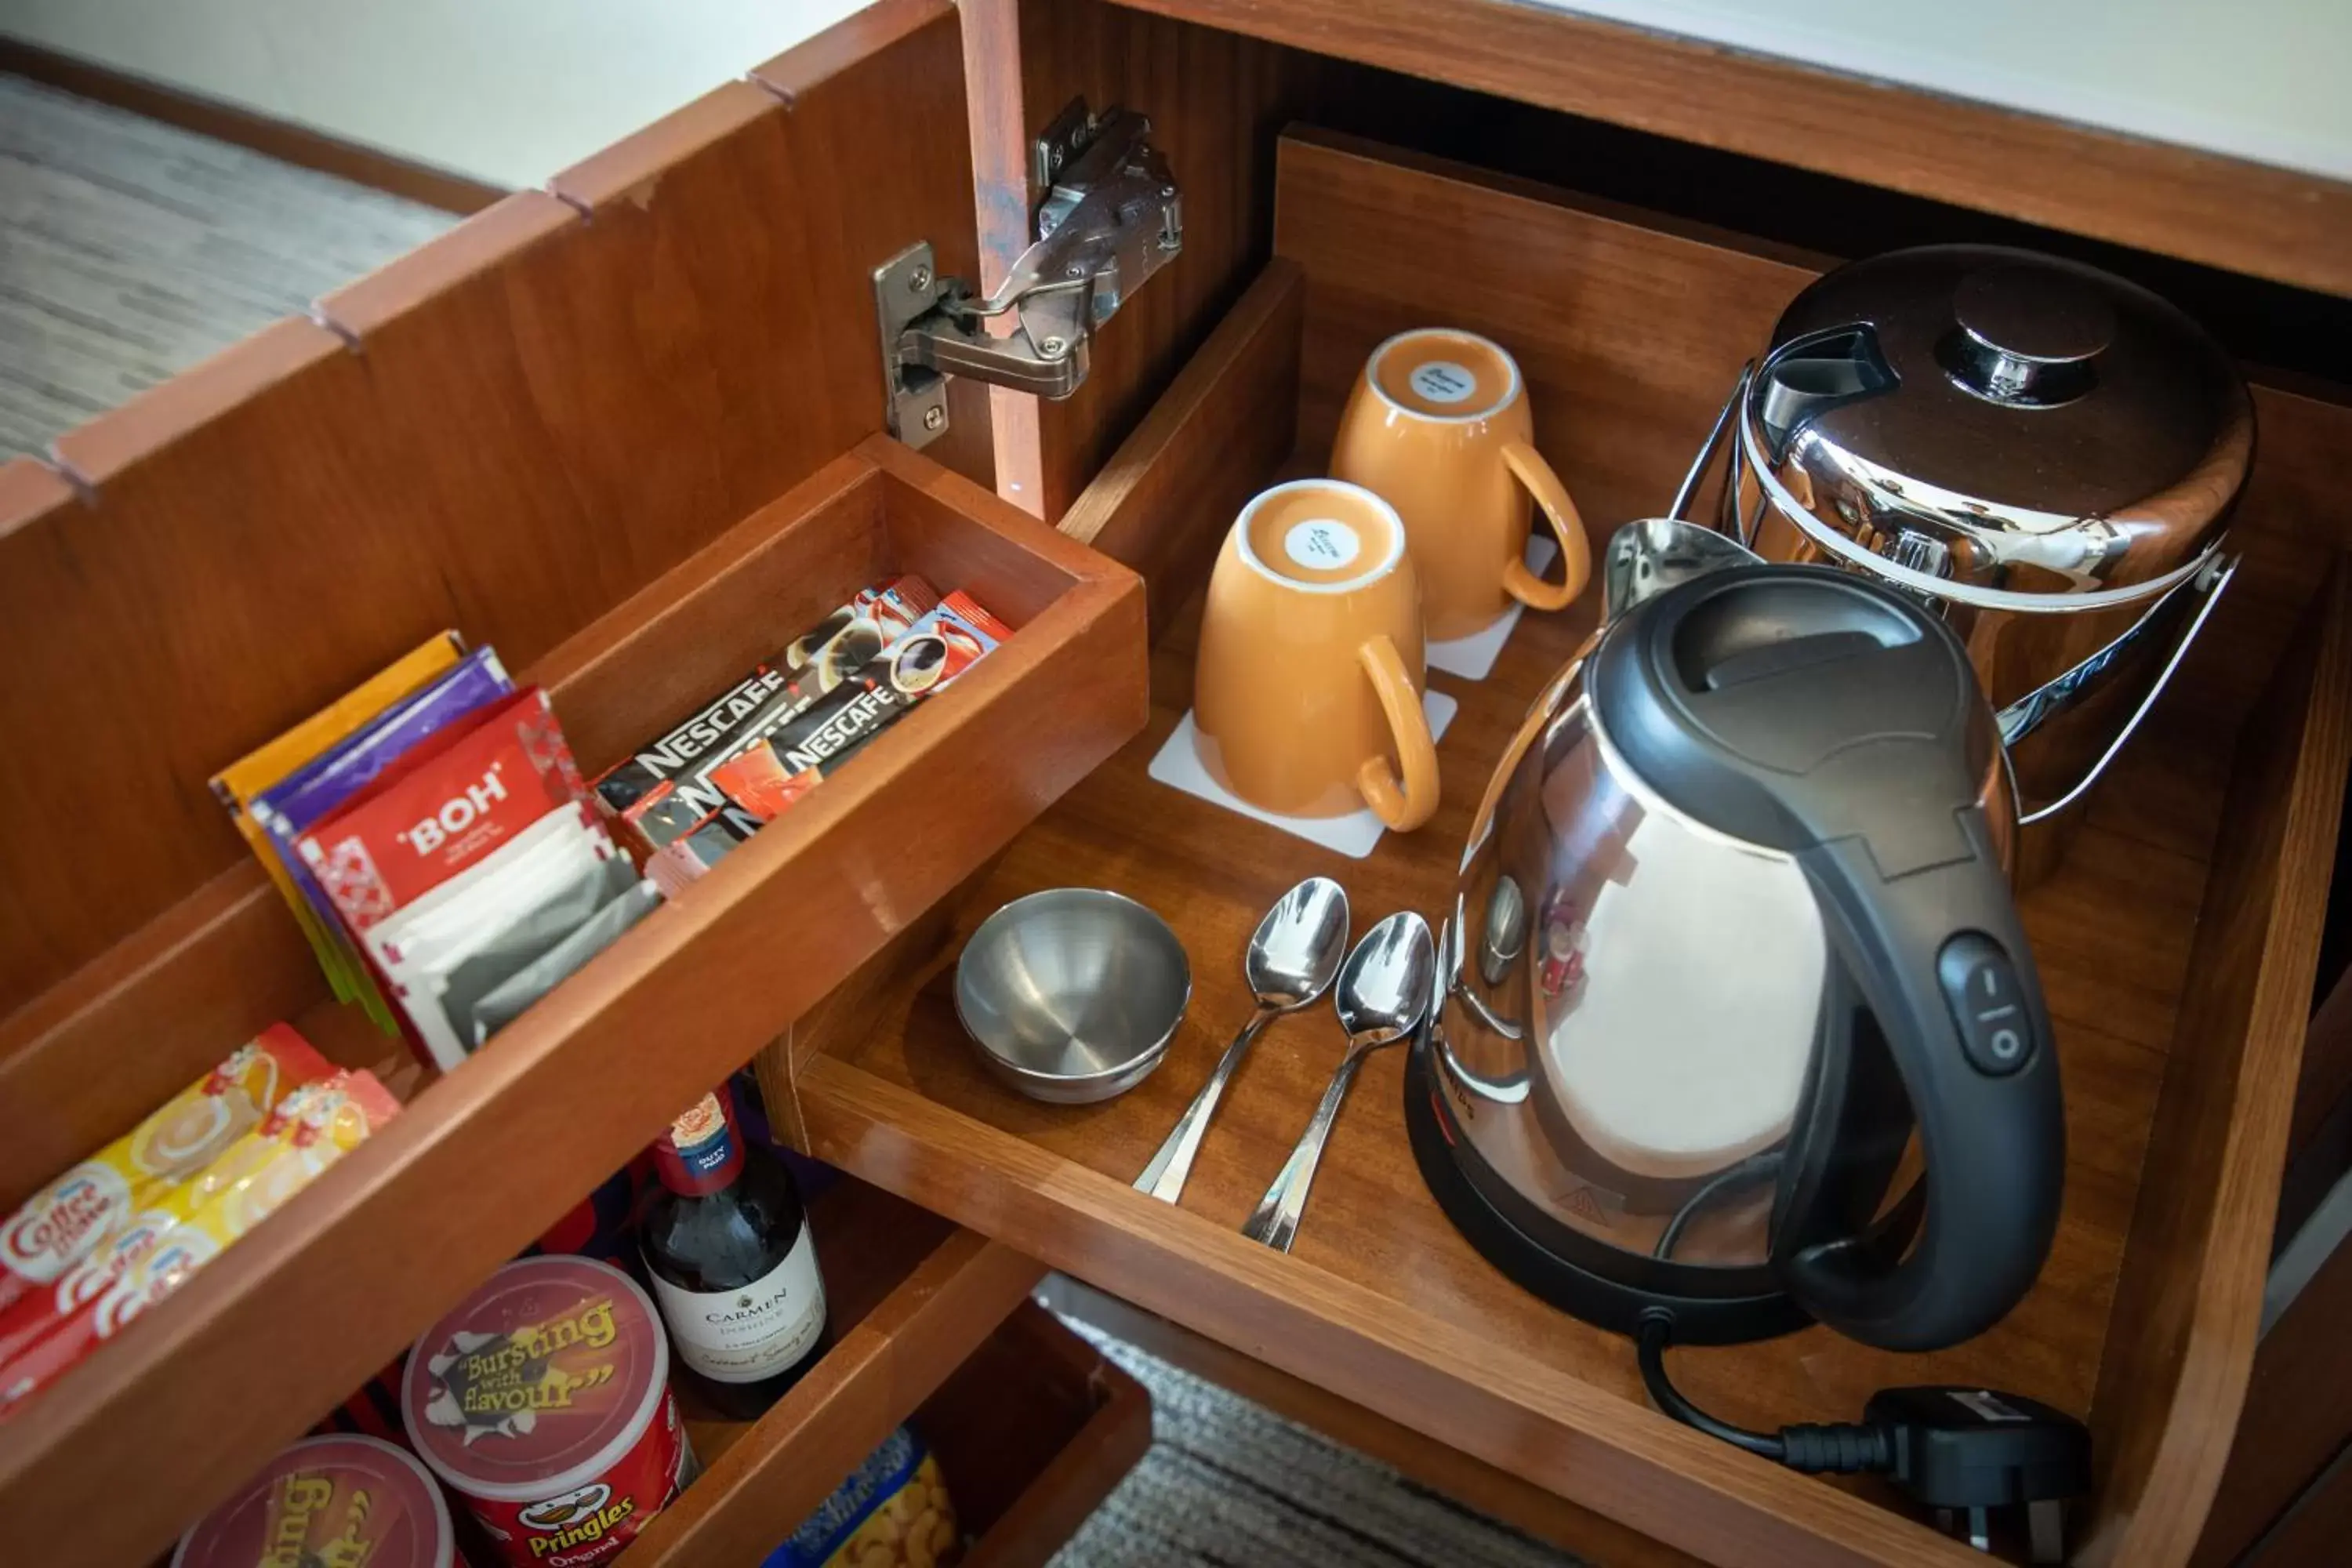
x=43 y=1335
x=70 y=1218
x=266 y=764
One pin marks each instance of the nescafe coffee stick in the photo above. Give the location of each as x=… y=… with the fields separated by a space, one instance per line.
x=778 y=768
x=662 y=792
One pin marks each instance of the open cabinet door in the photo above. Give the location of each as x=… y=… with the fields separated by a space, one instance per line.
x=626 y=430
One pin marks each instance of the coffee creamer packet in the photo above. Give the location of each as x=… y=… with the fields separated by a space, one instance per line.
x=63 y=1223
x=310 y=1131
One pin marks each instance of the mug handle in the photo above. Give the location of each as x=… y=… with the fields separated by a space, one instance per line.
x=1415 y=803
x=1527 y=466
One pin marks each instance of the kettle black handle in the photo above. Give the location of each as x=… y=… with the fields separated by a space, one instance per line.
x=1940 y=958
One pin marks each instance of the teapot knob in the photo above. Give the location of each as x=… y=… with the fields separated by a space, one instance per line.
x=2027 y=336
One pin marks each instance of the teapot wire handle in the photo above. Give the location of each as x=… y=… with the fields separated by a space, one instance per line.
x=1688 y=489
x=2186 y=606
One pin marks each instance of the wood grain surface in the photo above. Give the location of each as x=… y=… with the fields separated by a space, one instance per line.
x=761 y=1480
x=1216 y=100
x=1032 y=1434
x=508 y=432
x=1383 y=1303
x=1580 y=1532
x=1629 y=328
x=868 y=1243
x=2189 y=1304
x=486 y=1158
x=2226 y=211
x=2327 y=1065
x=2298 y=1416
x=1164 y=501
x=2313 y=1536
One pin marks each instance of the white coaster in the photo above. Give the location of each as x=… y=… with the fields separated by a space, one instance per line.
x=1473 y=657
x=1178 y=764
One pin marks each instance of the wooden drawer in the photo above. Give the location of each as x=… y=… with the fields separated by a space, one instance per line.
x=623 y=426
x=1031 y=1427
x=624 y=432
x=911 y=1298
x=2176 y=942
x=442 y=1194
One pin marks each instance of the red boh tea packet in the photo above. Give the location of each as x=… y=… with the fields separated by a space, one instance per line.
x=419 y=829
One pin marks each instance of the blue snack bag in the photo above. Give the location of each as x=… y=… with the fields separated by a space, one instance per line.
x=892 y=1512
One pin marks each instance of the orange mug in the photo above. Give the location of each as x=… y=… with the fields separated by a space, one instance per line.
x=1310 y=669
x=1439 y=425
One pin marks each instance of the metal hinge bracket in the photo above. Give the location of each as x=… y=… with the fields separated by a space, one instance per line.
x=1110 y=216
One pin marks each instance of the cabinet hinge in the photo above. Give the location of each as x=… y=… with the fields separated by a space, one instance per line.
x=1109 y=217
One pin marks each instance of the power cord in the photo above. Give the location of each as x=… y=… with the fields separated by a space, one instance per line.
x=1950 y=1448
x=1847 y=1449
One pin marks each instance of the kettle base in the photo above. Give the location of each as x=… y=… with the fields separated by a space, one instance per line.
x=1504 y=1228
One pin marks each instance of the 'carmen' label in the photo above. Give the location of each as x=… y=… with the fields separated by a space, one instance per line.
x=756 y=1332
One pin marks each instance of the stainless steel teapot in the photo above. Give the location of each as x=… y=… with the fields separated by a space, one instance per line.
x=1733 y=920
x=2045 y=455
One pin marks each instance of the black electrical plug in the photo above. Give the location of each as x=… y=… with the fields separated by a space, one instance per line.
x=1974 y=1448
x=1950 y=1448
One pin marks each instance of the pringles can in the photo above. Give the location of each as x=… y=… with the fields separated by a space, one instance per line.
x=543 y=1400
x=340 y=1498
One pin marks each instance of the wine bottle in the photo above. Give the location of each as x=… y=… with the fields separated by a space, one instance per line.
x=734 y=1272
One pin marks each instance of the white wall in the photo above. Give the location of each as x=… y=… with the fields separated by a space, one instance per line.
x=507 y=91
x=2263 y=79
x=511 y=90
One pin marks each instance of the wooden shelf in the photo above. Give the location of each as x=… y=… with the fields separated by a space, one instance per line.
x=2223 y=211
x=910 y=1298
x=905 y=1103
x=1031 y=1427
x=1032 y=1434
x=661 y=369
x=485 y=1157
x=2164 y=944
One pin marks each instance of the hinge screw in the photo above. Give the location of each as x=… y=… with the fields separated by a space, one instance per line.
x=919 y=279
x=1051 y=348
x=935 y=418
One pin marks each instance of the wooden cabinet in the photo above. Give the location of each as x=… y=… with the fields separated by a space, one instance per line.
x=627 y=428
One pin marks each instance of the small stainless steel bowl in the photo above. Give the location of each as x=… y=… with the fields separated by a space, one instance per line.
x=1073 y=995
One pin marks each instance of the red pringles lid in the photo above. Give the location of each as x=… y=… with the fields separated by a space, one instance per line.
x=341 y=1498
x=538 y=1381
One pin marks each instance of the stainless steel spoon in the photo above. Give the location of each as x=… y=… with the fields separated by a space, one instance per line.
x=1383 y=996
x=1291 y=960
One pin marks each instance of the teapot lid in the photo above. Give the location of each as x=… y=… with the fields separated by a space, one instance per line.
x=1985 y=423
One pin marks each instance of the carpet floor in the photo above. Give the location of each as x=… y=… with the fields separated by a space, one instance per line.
x=129 y=250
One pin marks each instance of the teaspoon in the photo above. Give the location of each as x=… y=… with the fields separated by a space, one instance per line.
x=1291 y=960
x=1382 y=996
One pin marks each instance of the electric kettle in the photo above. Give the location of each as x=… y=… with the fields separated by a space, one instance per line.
x=1733 y=923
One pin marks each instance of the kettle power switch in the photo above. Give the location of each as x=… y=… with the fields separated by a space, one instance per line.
x=1981 y=986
